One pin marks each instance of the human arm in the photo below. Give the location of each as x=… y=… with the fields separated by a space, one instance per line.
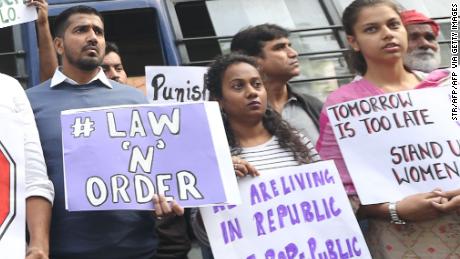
x=38 y=224
x=328 y=149
x=413 y=208
x=47 y=54
x=39 y=189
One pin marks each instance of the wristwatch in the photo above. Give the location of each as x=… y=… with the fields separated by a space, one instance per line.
x=394 y=214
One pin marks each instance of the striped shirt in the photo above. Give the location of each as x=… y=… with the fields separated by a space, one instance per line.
x=270 y=155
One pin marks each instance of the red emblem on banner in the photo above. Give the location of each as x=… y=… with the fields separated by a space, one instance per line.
x=7 y=190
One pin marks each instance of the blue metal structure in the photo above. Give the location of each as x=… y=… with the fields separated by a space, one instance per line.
x=170 y=53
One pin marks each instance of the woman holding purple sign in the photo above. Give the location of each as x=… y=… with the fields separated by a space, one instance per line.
x=379 y=41
x=258 y=137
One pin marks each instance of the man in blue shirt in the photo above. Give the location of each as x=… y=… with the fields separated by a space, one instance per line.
x=81 y=83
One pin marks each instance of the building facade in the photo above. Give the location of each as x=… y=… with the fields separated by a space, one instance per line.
x=193 y=32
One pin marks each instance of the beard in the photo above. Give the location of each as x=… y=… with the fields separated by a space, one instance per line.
x=425 y=60
x=86 y=63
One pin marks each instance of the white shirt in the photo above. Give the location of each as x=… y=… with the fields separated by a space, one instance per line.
x=59 y=77
x=14 y=100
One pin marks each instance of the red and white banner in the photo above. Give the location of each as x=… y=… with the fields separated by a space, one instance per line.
x=12 y=188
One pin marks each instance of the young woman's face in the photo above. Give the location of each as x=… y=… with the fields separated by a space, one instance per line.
x=243 y=93
x=379 y=34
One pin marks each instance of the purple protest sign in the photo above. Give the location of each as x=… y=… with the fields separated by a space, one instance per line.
x=118 y=157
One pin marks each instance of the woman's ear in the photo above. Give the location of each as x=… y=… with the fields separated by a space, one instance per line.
x=353 y=43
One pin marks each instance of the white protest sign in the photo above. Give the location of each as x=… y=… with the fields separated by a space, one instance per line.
x=12 y=188
x=175 y=84
x=15 y=12
x=398 y=144
x=293 y=212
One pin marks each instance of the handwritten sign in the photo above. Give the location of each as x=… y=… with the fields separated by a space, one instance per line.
x=168 y=84
x=398 y=144
x=118 y=157
x=294 y=212
x=12 y=187
x=15 y=12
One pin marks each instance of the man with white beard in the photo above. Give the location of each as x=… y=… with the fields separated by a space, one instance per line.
x=423 y=53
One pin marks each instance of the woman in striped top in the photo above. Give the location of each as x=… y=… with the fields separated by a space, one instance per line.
x=258 y=137
x=255 y=132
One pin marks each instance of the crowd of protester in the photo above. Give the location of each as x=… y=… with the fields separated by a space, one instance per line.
x=269 y=124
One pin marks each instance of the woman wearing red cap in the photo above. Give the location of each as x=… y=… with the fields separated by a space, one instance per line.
x=378 y=40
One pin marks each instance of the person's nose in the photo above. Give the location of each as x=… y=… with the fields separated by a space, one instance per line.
x=387 y=33
x=112 y=74
x=292 y=53
x=92 y=36
x=423 y=43
x=251 y=92
x=115 y=78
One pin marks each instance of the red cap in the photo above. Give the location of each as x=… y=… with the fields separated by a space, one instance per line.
x=413 y=17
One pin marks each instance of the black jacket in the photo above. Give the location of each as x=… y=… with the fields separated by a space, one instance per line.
x=311 y=105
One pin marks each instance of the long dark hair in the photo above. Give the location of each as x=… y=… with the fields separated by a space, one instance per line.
x=349 y=18
x=272 y=121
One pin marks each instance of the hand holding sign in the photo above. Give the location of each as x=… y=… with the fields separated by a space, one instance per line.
x=243 y=168
x=419 y=207
x=451 y=203
x=42 y=8
x=164 y=208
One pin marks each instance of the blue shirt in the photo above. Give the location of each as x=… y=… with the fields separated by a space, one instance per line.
x=88 y=234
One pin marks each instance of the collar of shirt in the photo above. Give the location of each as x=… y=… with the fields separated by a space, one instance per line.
x=291 y=96
x=59 y=77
